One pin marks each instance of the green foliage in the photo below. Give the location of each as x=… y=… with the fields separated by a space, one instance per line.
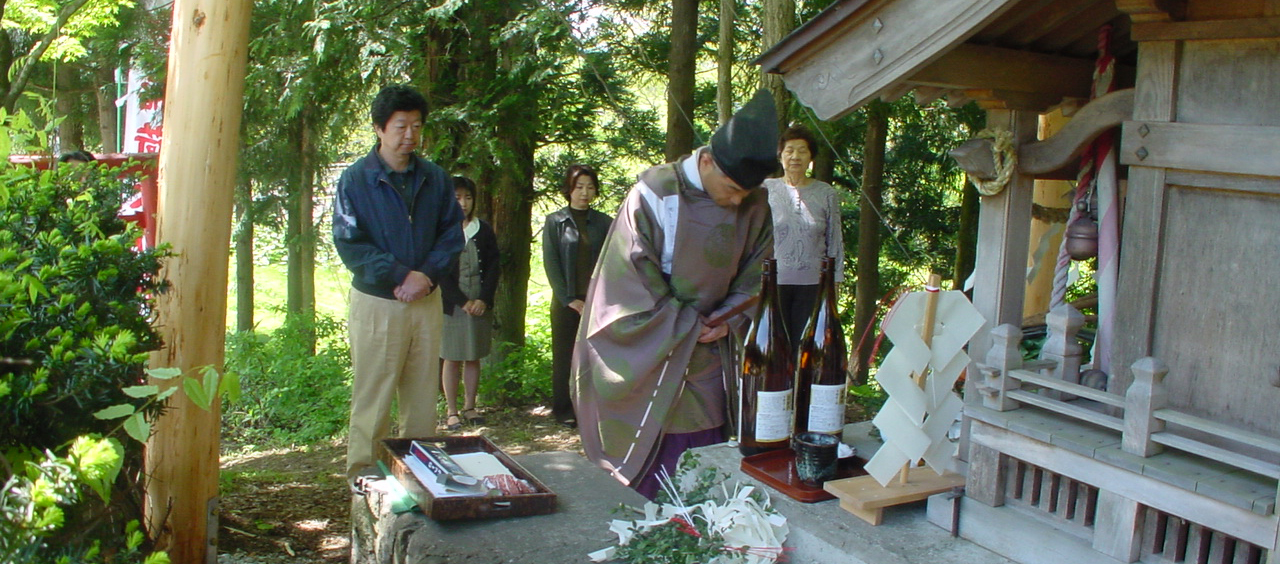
x=290 y=395
x=870 y=397
x=37 y=17
x=74 y=303
x=522 y=376
x=74 y=338
x=673 y=542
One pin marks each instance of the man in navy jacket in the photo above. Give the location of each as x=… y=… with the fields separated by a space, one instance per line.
x=398 y=228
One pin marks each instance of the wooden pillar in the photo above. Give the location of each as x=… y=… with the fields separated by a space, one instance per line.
x=203 y=101
x=1004 y=225
x=1053 y=197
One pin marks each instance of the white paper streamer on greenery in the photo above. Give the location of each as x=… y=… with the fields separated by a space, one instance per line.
x=753 y=532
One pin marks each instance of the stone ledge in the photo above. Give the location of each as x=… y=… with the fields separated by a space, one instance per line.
x=823 y=533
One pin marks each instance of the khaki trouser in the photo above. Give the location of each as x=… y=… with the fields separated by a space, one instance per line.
x=395 y=351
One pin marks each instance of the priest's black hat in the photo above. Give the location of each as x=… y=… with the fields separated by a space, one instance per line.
x=745 y=147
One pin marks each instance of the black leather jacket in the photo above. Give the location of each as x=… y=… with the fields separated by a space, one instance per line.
x=560 y=250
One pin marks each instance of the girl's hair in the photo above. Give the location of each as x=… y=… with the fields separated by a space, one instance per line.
x=464 y=183
x=571 y=178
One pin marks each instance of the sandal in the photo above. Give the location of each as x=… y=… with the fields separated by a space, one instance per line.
x=472 y=416
x=454 y=422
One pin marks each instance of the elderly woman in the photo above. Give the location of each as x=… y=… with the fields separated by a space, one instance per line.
x=468 y=321
x=571 y=243
x=806 y=227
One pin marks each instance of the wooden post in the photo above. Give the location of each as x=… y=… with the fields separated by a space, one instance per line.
x=204 y=97
x=1003 y=357
x=1061 y=346
x=1145 y=396
x=1004 y=229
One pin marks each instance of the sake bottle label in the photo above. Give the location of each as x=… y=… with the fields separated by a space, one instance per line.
x=826 y=408
x=773 y=416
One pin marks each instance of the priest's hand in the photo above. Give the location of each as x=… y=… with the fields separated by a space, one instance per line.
x=710 y=334
x=415 y=286
x=576 y=305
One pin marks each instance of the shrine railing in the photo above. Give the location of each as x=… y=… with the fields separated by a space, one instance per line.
x=1141 y=415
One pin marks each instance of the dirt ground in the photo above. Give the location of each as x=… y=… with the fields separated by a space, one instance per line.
x=289 y=506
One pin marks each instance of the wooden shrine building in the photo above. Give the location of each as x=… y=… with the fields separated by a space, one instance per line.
x=1172 y=454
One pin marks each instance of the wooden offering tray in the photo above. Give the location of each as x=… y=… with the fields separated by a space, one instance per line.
x=777 y=468
x=542 y=501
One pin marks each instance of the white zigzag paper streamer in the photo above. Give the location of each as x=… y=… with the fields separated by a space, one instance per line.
x=915 y=419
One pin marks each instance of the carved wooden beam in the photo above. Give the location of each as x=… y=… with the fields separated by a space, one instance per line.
x=994 y=68
x=1037 y=102
x=976 y=157
x=1090 y=121
x=1153 y=10
x=1247 y=28
x=926 y=95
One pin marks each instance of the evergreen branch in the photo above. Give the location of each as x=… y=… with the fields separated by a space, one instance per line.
x=29 y=61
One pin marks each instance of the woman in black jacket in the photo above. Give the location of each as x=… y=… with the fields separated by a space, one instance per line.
x=571 y=243
x=467 y=297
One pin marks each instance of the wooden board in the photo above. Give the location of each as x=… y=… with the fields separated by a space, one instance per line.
x=865 y=497
x=1235 y=149
x=885 y=43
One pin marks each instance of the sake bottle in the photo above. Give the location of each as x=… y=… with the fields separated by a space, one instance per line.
x=822 y=363
x=765 y=409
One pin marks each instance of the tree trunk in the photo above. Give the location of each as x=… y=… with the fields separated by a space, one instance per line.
x=680 y=78
x=71 y=130
x=244 y=256
x=724 y=62
x=868 y=288
x=301 y=239
x=779 y=18
x=512 y=218
x=824 y=161
x=197 y=180
x=966 y=236
x=104 y=82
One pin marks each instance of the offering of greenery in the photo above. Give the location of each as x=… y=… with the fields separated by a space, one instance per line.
x=698 y=519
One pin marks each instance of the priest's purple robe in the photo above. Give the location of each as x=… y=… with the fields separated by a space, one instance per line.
x=673 y=259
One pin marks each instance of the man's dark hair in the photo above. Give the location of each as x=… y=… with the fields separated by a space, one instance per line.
x=799 y=132
x=571 y=178
x=396 y=98
x=77 y=156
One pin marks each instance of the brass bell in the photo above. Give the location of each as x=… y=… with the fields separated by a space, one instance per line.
x=1082 y=238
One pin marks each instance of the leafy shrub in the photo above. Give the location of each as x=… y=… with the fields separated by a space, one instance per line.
x=522 y=375
x=290 y=395
x=75 y=334
x=74 y=303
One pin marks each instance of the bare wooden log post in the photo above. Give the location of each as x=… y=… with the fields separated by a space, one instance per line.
x=1003 y=357
x=203 y=102
x=1062 y=347
x=1146 y=395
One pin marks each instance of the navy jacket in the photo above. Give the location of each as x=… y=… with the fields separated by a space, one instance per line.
x=381 y=237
